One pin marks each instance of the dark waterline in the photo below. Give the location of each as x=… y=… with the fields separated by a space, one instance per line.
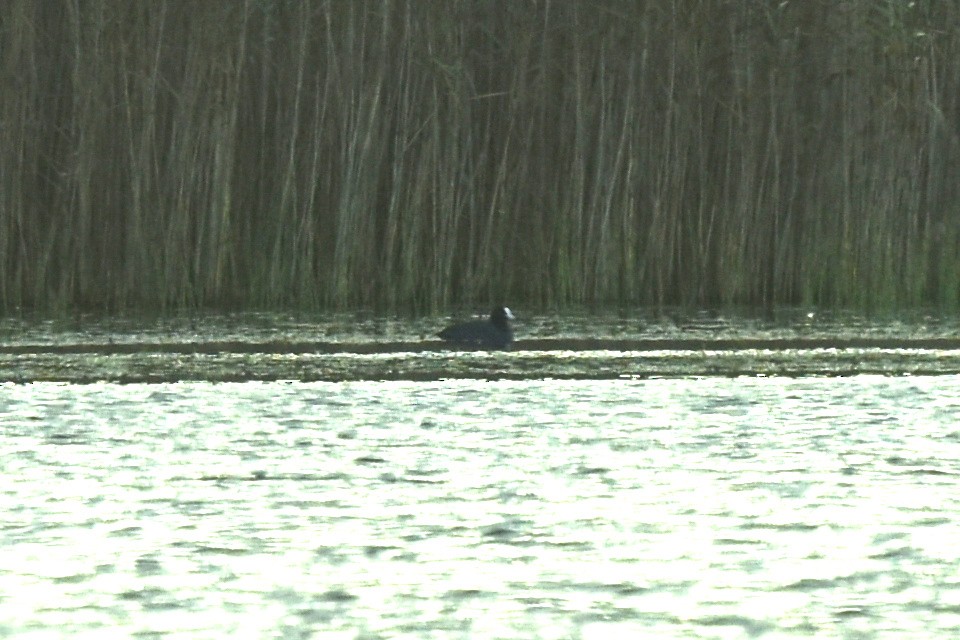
x=638 y=344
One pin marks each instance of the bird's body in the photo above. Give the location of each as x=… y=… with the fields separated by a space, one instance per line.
x=494 y=333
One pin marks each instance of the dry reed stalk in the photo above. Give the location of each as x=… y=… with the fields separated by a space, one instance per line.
x=408 y=155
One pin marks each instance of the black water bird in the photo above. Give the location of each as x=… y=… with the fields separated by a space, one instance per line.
x=494 y=333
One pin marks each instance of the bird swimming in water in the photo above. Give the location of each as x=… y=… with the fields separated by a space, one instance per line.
x=493 y=333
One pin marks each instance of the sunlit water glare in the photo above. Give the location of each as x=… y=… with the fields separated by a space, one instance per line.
x=662 y=508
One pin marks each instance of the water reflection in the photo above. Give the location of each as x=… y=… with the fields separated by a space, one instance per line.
x=676 y=508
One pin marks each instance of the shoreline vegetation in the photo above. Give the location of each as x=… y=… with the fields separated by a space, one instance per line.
x=412 y=155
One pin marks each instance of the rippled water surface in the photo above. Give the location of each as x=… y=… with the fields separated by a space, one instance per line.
x=729 y=507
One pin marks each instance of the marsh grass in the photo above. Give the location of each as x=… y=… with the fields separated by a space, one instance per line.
x=402 y=154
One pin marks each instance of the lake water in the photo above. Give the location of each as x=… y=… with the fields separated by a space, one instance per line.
x=687 y=506
x=673 y=508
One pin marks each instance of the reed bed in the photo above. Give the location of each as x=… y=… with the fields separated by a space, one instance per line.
x=417 y=154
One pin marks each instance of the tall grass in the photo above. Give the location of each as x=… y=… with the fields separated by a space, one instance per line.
x=411 y=154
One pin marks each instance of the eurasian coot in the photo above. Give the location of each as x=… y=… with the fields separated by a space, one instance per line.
x=494 y=333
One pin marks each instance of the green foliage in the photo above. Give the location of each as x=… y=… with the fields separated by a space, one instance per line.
x=403 y=154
